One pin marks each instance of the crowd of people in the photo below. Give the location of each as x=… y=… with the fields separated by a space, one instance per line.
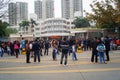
x=100 y=47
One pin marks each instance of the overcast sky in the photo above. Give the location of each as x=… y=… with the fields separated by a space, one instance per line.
x=86 y=6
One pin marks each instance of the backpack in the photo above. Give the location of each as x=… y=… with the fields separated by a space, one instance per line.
x=101 y=48
x=16 y=46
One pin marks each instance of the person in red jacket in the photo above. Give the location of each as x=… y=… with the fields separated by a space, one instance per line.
x=118 y=42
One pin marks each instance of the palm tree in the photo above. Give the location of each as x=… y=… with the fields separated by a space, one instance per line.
x=24 y=25
x=33 y=23
x=20 y=27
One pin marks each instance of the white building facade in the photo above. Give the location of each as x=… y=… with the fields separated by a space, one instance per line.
x=56 y=27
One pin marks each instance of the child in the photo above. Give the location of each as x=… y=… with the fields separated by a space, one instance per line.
x=101 y=51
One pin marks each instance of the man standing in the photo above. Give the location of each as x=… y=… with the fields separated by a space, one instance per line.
x=36 y=48
x=65 y=48
x=94 y=50
x=107 y=46
x=46 y=47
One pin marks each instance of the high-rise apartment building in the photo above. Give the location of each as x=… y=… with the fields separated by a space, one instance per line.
x=12 y=14
x=47 y=9
x=70 y=7
x=65 y=4
x=17 y=12
x=21 y=11
x=38 y=8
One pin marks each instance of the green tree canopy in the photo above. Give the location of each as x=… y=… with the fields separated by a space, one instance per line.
x=24 y=24
x=4 y=30
x=106 y=14
x=33 y=22
x=81 y=22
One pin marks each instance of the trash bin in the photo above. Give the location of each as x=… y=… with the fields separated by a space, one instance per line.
x=79 y=49
x=23 y=51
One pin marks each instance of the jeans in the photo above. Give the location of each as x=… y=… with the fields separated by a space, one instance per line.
x=101 y=56
x=74 y=57
x=54 y=53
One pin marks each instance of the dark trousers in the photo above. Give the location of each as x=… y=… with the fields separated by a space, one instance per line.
x=17 y=52
x=54 y=53
x=1 y=54
x=107 y=55
x=27 y=56
x=46 y=51
x=12 y=52
x=94 y=56
x=62 y=56
x=36 y=54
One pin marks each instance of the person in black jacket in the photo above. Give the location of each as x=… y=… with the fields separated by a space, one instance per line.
x=107 y=46
x=36 y=48
x=46 y=47
x=65 y=48
x=94 y=50
x=27 y=48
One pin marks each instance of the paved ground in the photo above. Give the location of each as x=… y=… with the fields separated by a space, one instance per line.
x=16 y=69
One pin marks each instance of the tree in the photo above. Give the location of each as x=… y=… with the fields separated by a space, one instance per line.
x=4 y=30
x=81 y=22
x=24 y=25
x=106 y=14
x=3 y=7
x=10 y=31
x=32 y=22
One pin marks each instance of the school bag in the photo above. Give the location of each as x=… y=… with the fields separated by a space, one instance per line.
x=101 y=48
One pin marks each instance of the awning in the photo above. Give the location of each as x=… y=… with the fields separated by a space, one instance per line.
x=54 y=37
